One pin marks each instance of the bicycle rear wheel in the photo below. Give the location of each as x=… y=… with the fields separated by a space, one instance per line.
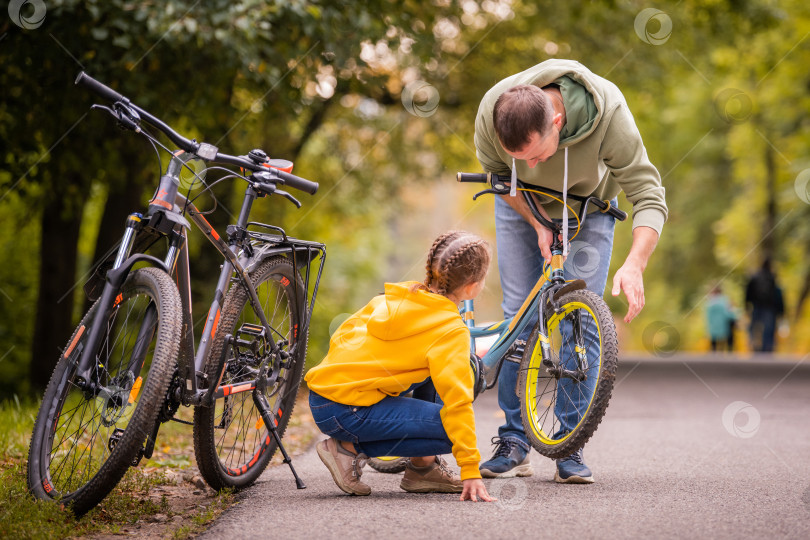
x=84 y=441
x=231 y=442
x=562 y=405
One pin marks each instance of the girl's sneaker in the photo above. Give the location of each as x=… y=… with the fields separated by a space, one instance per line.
x=434 y=478
x=346 y=468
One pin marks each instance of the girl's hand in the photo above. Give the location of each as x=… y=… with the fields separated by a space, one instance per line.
x=474 y=489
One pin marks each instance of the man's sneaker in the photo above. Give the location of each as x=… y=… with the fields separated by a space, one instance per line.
x=572 y=470
x=511 y=458
x=346 y=468
x=433 y=478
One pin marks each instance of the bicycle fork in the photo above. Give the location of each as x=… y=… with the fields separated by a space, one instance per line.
x=546 y=301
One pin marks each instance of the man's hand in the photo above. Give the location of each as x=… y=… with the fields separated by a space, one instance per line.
x=474 y=489
x=544 y=235
x=544 y=239
x=628 y=277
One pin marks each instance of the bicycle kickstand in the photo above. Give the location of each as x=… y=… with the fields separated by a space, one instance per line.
x=270 y=422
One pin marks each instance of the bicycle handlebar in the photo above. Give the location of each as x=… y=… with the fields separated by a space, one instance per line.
x=500 y=182
x=203 y=150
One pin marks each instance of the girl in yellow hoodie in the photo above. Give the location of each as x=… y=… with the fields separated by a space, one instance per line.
x=412 y=336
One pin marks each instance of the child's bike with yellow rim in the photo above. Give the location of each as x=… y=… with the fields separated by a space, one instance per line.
x=568 y=363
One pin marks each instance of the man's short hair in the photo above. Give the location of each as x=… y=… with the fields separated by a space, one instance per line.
x=519 y=112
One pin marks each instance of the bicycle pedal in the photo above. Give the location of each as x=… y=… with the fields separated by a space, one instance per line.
x=114 y=438
x=136 y=459
x=515 y=353
x=251 y=330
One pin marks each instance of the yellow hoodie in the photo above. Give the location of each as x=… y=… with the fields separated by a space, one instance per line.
x=401 y=338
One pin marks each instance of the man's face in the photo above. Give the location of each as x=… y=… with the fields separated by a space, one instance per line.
x=538 y=149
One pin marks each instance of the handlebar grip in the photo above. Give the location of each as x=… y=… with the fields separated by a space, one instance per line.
x=618 y=214
x=608 y=208
x=297 y=182
x=101 y=89
x=480 y=178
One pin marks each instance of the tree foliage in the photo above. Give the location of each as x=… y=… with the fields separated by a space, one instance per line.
x=721 y=100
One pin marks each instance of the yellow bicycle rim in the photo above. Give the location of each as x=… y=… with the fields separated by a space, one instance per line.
x=536 y=364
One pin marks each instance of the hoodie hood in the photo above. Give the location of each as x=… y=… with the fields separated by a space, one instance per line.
x=402 y=312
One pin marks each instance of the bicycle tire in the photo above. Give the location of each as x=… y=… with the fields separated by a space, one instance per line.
x=544 y=400
x=234 y=455
x=388 y=464
x=103 y=461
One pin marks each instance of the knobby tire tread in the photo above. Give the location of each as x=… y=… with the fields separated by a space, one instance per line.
x=388 y=466
x=150 y=399
x=602 y=394
x=236 y=300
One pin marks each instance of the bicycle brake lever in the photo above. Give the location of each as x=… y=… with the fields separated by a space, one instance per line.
x=493 y=191
x=128 y=118
x=289 y=197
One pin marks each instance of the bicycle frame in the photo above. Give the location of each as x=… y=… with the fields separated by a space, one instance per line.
x=549 y=287
x=167 y=220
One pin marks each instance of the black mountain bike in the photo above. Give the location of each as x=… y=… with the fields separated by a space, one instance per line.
x=132 y=361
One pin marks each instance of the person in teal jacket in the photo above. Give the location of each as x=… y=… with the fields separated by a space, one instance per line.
x=720 y=318
x=560 y=126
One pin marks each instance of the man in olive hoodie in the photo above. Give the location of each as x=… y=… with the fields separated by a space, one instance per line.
x=562 y=127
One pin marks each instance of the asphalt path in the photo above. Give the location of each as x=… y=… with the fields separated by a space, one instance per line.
x=690 y=447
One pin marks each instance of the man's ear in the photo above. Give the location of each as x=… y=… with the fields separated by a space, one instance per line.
x=557 y=121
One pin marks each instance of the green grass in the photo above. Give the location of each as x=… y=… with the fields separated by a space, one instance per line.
x=22 y=516
x=25 y=517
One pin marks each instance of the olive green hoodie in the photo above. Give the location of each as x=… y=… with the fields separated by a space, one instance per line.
x=605 y=151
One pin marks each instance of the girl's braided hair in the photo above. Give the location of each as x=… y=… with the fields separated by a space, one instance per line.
x=456 y=259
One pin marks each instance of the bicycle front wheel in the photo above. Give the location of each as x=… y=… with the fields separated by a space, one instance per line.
x=231 y=442
x=85 y=439
x=563 y=403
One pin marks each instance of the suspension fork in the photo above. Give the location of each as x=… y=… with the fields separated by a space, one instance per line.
x=150 y=319
x=106 y=303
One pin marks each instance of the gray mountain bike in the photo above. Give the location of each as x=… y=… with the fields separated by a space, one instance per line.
x=132 y=361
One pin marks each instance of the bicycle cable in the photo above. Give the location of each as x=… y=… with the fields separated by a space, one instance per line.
x=579 y=223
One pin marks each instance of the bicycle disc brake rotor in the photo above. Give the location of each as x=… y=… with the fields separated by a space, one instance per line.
x=116 y=398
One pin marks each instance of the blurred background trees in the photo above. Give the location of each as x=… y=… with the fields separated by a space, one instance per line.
x=719 y=89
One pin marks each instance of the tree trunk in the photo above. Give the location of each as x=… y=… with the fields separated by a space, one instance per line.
x=123 y=198
x=57 y=275
x=769 y=235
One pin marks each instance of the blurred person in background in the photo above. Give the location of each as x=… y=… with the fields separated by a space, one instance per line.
x=764 y=302
x=720 y=319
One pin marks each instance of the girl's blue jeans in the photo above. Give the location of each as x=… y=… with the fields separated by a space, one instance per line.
x=520 y=265
x=395 y=426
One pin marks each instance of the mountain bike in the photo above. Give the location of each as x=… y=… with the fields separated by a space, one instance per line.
x=132 y=361
x=568 y=363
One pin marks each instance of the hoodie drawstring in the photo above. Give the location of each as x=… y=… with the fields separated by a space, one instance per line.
x=565 y=205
